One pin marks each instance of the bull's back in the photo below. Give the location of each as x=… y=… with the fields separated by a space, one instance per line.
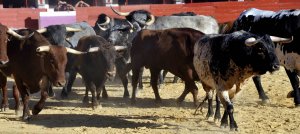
x=205 y=24
x=168 y=49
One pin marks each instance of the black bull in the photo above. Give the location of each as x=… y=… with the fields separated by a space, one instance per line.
x=284 y=23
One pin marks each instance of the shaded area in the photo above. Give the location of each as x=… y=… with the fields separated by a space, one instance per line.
x=77 y=120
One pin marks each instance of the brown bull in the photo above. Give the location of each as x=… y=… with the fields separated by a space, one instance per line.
x=34 y=63
x=170 y=50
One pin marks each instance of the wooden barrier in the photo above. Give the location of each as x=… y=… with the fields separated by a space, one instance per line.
x=222 y=11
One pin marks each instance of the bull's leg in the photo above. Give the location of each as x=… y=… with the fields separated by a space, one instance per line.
x=176 y=78
x=104 y=92
x=16 y=95
x=44 y=94
x=224 y=96
x=70 y=78
x=93 y=89
x=164 y=74
x=217 y=113
x=295 y=84
x=260 y=90
x=190 y=86
x=210 y=112
x=25 y=99
x=122 y=72
x=154 y=77
x=3 y=85
x=141 y=78
x=134 y=82
x=85 y=99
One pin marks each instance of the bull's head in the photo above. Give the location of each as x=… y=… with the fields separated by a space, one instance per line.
x=4 y=32
x=250 y=50
x=103 y=22
x=57 y=34
x=54 y=60
x=142 y=17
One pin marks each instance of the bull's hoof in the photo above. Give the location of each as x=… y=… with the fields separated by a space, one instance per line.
x=96 y=106
x=224 y=126
x=26 y=118
x=104 y=96
x=64 y=95
x=210 y=119
x=51 y=94
x=4 y=107
x=233 y=129
x=217 y=120
x=265 y=101
x=85 y=100
x=36 y=110
x=290 y=94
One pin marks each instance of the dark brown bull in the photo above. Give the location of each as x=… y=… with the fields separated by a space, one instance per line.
x=4 y=33
x=34 y=63
x=170 y=50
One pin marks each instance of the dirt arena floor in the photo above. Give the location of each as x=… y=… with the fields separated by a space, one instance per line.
x=117 y=115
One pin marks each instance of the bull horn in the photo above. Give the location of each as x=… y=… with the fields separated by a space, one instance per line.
x=102 y=28
x=131 y=26
x=106 y=22
x=120 y=13
x=70 y=29
x=93 y=49
x=15 y=34
x=120 y=48
x=250 y=42
x=73 y=51
x=43 y=30
x=151 y=21
x=281 y=40
x=43 y=49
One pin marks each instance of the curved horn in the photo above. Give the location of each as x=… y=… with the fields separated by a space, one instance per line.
x=102 y=28
x=73 y=51
x=15 y=34
x=43 y=30
x=131 y=26
x=43 y=49
x=120 y=13
x=120 y=48
x=106 y=22
x=250 y=41
x=281 y=40
x=70 y=29
x=151 y=21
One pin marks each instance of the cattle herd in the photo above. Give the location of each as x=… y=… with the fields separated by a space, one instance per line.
x=192 y=47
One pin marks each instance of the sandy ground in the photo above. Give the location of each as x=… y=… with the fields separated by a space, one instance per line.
x=117 y=115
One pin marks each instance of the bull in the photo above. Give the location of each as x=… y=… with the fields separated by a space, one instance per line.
x=44 y=64
x=284 y=23
x=225 y=60
x=171 y=50
x=68 y=36
x=141 y=19
x=96 y=66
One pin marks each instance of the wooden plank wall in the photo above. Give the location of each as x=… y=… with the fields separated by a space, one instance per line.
x=222 y=11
